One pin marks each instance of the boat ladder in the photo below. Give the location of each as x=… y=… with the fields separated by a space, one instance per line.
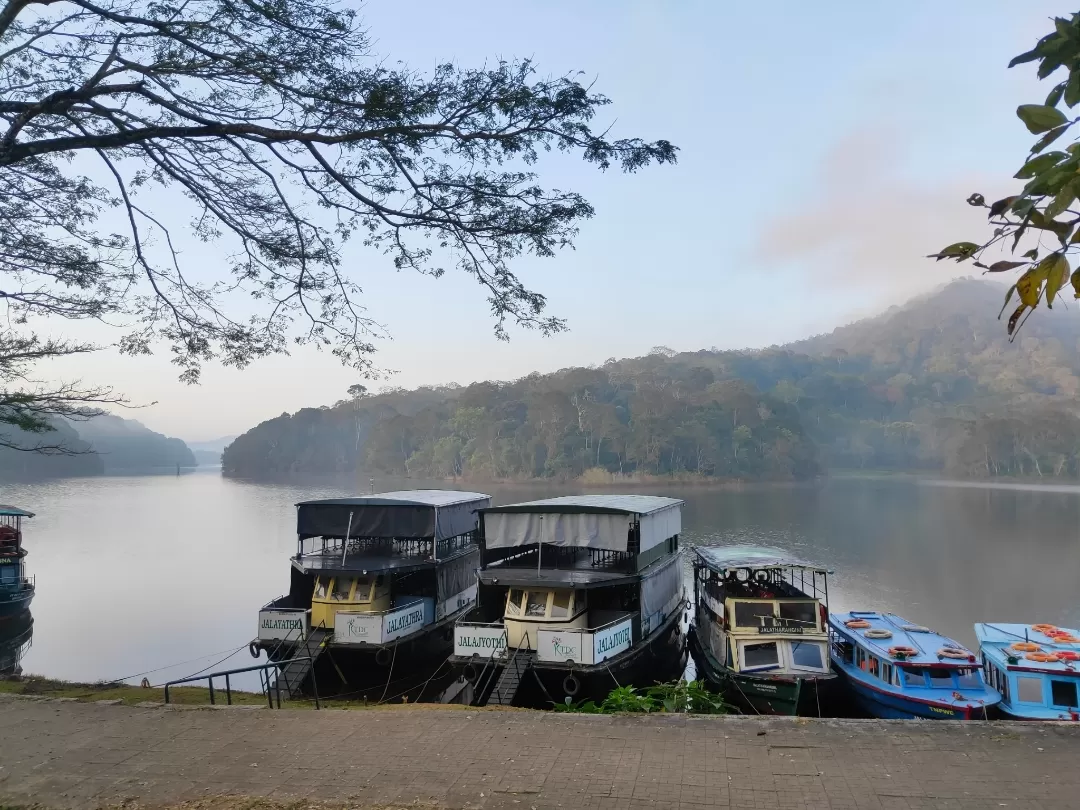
x=292 y=676
x=506 y=688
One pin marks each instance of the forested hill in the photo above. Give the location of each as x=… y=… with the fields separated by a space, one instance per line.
x=933 y=385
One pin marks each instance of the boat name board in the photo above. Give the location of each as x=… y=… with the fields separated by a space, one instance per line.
x=482 y=640
x=612 y=640
x=279 y=624
x=408 y=619
x=780 y=628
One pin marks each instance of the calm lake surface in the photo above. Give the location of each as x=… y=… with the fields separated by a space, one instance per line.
x=164 y=575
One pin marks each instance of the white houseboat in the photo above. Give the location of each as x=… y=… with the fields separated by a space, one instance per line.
x=376 y=585
x=578 y=595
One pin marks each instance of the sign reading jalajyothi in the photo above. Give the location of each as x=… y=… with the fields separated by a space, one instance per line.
x=479 y=640
x=612 y=640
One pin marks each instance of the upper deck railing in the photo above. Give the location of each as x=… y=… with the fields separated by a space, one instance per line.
x=419 y=548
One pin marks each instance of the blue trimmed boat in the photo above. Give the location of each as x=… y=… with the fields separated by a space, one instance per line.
x=16 y=589
x=899 y=670
x=1034 y=668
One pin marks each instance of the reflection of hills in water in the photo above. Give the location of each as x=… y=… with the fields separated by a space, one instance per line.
x=16 y=636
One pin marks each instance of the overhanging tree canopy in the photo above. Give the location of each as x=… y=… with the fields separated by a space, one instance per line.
x=1047 y=206
x=287 y=137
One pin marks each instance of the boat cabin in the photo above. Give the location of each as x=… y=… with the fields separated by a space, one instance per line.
x=11 y=518
x=1035 y=669
x=378 y=568
x=759 y=611
x=580 y=578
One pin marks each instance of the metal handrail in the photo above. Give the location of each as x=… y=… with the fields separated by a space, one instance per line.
x=262 y=668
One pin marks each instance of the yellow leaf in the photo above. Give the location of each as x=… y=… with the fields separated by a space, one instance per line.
x=1029 y=284
x=1075 y=280
x=1057 y=273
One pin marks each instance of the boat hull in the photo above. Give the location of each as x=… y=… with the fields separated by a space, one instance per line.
x=893 y=706
x=15 y=603
x=661 y=659
x=759 y=694
x=413 y=669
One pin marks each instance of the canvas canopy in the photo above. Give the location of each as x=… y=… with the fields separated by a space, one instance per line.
x=723 y=558
x=584 y=521
x=431 y=513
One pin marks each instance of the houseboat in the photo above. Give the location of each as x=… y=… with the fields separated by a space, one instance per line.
x=376 y=585
x=759 y=633
x=903 y=671
x=1035 y=668
x=578 y=595
x=16 y=636
x=16 y=588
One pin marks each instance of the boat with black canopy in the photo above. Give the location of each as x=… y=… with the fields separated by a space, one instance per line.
x=16 y=588
x=375 y=587
x=578 y=595
x=760 y=631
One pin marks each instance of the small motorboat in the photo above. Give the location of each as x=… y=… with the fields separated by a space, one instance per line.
x=1035 y=668
x=900 y=670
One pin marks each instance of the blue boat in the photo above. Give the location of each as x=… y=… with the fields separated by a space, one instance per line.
x=899 y=670
x=1035 y=668
x=16 y=589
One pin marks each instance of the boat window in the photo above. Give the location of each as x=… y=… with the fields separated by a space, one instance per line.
x=1029 y=690
x=1063 y=693
x=340 y=590
x=749 y=614
x=803 y=614
x=887 y=672
x=513 y=602
x=968 y=678
x=914 y=676
x=1002 y=684
x=320 y=588
x=940 y=678
x=536 y=604
x=560 y=604
x=760 y=655
x=363 y=590
x=807 y=654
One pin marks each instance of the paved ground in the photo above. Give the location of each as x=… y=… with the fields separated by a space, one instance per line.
x=84 y=755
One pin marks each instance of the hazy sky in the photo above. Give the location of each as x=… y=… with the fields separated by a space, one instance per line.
x=826 y=147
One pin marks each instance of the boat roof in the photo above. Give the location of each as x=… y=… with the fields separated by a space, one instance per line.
x=721 y=558
x=405 y=497
x=994 y=638
x=14 y=511
x=927 y=643
x=593 y=504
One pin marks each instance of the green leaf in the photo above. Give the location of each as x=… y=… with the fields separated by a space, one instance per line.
x=1001 y=267
x=1049 y=138
x=958 y=251
x=1032 y=254
x=1008 y=298
x=1040 y=118
x=1057 y=274
x=1055 y=95
x=1075 y=281
x=1029 y=56
x=1060 y=204
x=1023 y=207
x=1072 y=89
x=1038 y=165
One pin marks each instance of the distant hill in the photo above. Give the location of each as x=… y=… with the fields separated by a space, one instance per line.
x=934 y=384
x=106 y=444
x=126 y=445
x=212 y=445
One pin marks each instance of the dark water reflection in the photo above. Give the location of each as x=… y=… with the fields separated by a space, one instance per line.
x=166 y=573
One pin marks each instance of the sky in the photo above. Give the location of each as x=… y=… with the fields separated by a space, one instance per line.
x=825 y=149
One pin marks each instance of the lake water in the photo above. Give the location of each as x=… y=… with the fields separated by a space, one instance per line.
x=164 y=575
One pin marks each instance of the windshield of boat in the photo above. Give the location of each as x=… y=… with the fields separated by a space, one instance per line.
x=969 y=678
x=799 y=613
x=750 y=614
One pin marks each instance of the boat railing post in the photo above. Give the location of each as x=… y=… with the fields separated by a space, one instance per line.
x=315 y=686
x=279 y=690
x=228 y=691
x=166 y=693
x=210 y=680
x=264 y=675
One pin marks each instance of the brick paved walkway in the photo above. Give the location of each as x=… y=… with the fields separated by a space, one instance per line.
x=80 y=755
